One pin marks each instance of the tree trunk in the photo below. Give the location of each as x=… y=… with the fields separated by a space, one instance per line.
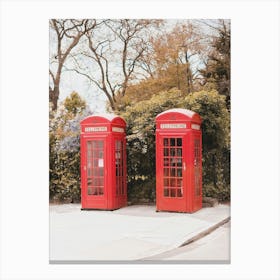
x=53 y=97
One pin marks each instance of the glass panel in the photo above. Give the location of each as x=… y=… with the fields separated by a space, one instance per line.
x=165 y=142
x=95 y=172
x=165 y=182
x=179 y=193
x=88 y=145
x=96 y=154
x=166 y=152
x=179 y=152
x=100 y=144
x=179 y=141
x=173 y=193
x=95 y=181
x=101 y=191
x=101 y=171
x=172 y=141
x=166 y=172
x=166 y=192
x=179 y=162
x=172 y=182
x=180 y=182
x=90 y=190
x=166 y=161
x=179 y=172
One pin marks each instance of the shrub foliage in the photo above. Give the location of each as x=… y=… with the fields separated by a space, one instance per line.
x=64 y=149
x=140 y=119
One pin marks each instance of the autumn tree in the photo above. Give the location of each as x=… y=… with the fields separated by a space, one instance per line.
x=177 y=54
x=172 y=62
x=66 y=33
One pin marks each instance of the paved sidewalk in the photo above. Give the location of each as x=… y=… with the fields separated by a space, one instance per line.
x=130 y=233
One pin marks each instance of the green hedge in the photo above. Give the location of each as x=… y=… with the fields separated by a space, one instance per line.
x=140 y=119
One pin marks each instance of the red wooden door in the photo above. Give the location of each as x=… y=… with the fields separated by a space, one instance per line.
x=172 y=173
x=95 y=183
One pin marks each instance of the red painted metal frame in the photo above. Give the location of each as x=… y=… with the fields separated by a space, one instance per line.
x=106 y=128
x=184 y=124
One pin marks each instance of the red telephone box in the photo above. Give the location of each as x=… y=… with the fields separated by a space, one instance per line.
x=178 y=161
x=103 y=162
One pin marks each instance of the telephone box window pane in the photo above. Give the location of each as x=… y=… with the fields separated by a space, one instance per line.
x=165 y=142
x=172 y=141
x=179 y=152
x=101 y=171
x=166 y=152
x=179 y=193
x=95 y=172
x=95 y=153
x=89 y=146
x=89 y=152
x=90 y=190
x=179 y=162
x=166 y=161
x=179 y=172
x=165 y=182
x=95 y=181
x=100 y=144
x=166 y=172
x=173 y=193
x=179 y=142
x=166 y=192
x=172 y=182
x=180 y=182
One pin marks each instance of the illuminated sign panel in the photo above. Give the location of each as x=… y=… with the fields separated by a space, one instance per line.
x=117 y=129
x=195 y=126
x=172 y=125
x=96 y=129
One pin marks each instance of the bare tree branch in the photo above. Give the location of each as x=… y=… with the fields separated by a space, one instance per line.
x=77 y=28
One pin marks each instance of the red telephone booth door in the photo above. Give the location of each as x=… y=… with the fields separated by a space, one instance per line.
x=95 y=191
x=172 y=174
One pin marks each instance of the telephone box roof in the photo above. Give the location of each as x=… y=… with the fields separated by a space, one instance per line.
x=183 y=112
x=107 y=117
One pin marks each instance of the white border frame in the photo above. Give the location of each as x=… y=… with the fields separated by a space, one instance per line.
x=255 y=138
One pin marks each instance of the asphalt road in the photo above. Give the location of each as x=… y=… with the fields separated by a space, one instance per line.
x=212 y=247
